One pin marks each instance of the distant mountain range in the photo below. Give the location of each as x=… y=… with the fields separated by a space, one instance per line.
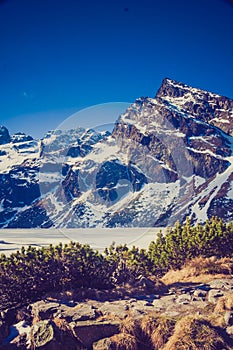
x=168 y=157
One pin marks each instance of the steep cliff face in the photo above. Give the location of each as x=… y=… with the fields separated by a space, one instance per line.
x=167 y=157
x=184 y=135
x=202 y=105
x=173 y=138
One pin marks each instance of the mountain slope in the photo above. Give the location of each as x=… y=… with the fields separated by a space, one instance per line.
x=167 y=157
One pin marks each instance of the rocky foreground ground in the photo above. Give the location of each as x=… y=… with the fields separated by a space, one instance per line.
x=127 y=318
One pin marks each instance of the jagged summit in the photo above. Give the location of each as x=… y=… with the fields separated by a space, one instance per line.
x=167 y=157
x=167 y=83
x=203 y=105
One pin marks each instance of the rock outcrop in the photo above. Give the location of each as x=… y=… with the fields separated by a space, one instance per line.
x=95 y=324
x=4 y=135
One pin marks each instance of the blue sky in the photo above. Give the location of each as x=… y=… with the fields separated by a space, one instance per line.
x=58 y=57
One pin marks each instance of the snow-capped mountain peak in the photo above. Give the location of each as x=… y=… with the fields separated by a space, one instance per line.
x=168 y=157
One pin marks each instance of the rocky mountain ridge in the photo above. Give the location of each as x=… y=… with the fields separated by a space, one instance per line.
x=167 y=157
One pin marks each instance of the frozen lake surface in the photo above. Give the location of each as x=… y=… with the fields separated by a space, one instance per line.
x=98 y=238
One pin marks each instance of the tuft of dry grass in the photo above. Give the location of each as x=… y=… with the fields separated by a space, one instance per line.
x=35 y=319
x=122 y=341
x=132 y=327
x=200 y=270
x=163 y=332
x=61 y=324
x=151 y=331
x=149 y=323
x=194 y=333
x=158 y=329
x=211 y=265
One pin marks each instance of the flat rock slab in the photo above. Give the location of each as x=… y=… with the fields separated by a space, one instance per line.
x=119 y=309
x=79 y=312
x=183 y=299
x=223 y=284
x=44 y=310
x=182 y=304
x=89 y=332
x=214 y=295
x=164 y=303
x=122 y=308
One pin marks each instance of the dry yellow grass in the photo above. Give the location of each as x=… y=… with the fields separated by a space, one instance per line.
x=193 y=333
x=149 y=323
x=162 y=333
x=35 y=319
x=200 y=270
x=151 y=331
x=123 y=342
x=132 y=327
x=61 y=324
x=158 y=329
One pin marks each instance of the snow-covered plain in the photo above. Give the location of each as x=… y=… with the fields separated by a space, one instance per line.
x=12 y=240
